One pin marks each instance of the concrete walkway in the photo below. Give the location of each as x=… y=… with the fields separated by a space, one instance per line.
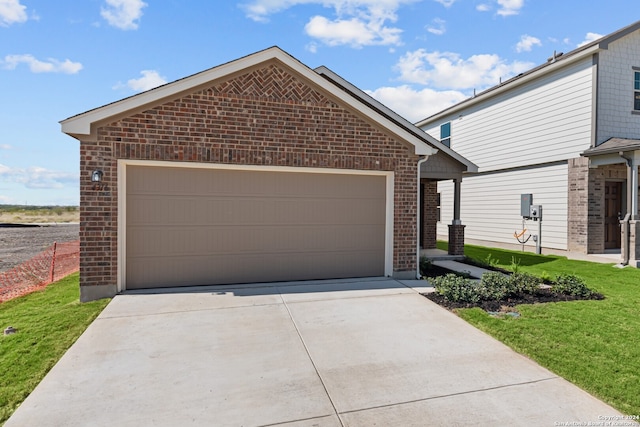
x=359 y=352
x=471 y=270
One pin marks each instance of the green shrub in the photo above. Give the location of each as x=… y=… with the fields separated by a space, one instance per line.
x=457 y=289
x=515 y=264
x=568 y=284
x=493 y=286
x=524 y=283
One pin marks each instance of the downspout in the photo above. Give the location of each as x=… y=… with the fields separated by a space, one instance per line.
x=625 y=221
x=418 y=224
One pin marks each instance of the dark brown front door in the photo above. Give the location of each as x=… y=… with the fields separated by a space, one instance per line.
x=612 y=212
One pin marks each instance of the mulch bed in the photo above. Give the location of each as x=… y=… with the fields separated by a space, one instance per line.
x=505 y=305
x=544 y=295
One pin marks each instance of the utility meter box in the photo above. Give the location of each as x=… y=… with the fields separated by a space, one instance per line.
x=535 y=211
x=526 y=200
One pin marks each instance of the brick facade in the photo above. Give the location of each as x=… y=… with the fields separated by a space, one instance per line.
x=266 y=116
x=578 y=205
x=586 y=204
x=456 y=239
x=429 y=213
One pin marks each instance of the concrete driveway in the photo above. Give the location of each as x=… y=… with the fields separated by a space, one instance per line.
x=359 y=352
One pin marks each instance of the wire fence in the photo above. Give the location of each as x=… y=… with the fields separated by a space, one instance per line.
x=56 y=262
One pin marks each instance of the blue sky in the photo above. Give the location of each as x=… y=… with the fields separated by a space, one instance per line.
x=61 y=58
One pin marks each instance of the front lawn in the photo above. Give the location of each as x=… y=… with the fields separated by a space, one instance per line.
x=48 y=322
x=593 y=344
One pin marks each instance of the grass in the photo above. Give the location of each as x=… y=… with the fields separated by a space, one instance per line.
x=593 y=344
x=25 y=214
x=48 y=323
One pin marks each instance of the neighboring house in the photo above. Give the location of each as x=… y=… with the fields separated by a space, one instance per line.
x=257 y=170
x=567 y=132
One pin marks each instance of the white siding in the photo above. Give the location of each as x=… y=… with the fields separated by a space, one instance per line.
x=490 y=204
x=615 y=94
x=546 y=120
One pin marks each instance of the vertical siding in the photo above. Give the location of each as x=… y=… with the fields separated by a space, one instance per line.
x=543 y=121
x=491 y=209
x=615 y=94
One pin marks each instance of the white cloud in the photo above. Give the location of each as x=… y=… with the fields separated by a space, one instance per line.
x=590 y=37
x=123 y=14
x=35 y=177
x=11 y=12
x=354 y=32
x=510 y=7
x=51 y=65
x=149 y=80
x=527 y=43
x=356 y=23
x=414 y=104
x=483 y=7
x=437 y=27
x=448 y=70
x=6 y=147
x=446 y=3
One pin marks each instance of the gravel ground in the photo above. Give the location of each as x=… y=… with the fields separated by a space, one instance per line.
x=18 y=244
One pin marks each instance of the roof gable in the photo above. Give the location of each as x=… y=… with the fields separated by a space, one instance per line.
x=384 y=110
x=83 y=126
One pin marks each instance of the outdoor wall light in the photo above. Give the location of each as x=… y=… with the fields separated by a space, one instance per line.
x=96 y=176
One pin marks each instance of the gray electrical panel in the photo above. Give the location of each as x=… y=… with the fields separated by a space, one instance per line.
x=526 y=200
x=535 y=212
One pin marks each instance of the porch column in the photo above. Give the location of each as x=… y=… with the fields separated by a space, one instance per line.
x=456 y=229
x=635 y=162
x=456 y=201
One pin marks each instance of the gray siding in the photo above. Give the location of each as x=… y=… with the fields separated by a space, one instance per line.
x=544 y=121
x=490 y=204
x=615 y=95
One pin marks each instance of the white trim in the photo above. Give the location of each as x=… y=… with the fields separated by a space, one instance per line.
x=122 y=235
x=605 y=159
x=389 y=226
x=122 y=200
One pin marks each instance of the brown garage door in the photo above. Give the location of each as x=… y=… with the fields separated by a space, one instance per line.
x=191 y=226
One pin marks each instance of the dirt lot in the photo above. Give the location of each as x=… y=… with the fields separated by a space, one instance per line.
x=18 y=244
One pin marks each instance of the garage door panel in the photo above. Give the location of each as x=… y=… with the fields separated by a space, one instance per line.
x=196 y=270
x=211 y=226
x=174 y=241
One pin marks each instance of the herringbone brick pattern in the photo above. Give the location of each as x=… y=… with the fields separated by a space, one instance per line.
x=271 y=82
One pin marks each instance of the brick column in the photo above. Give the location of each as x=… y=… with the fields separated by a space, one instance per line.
x=429 y=214
x=456 y=239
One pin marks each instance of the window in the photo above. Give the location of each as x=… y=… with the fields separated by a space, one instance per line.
x=636 y=90
x=445 y=132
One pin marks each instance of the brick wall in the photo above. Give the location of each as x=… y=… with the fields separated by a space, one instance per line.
x=456 y=239
x=264 y=117
x=429 y=214
x=586 y=204
x=578 y=205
